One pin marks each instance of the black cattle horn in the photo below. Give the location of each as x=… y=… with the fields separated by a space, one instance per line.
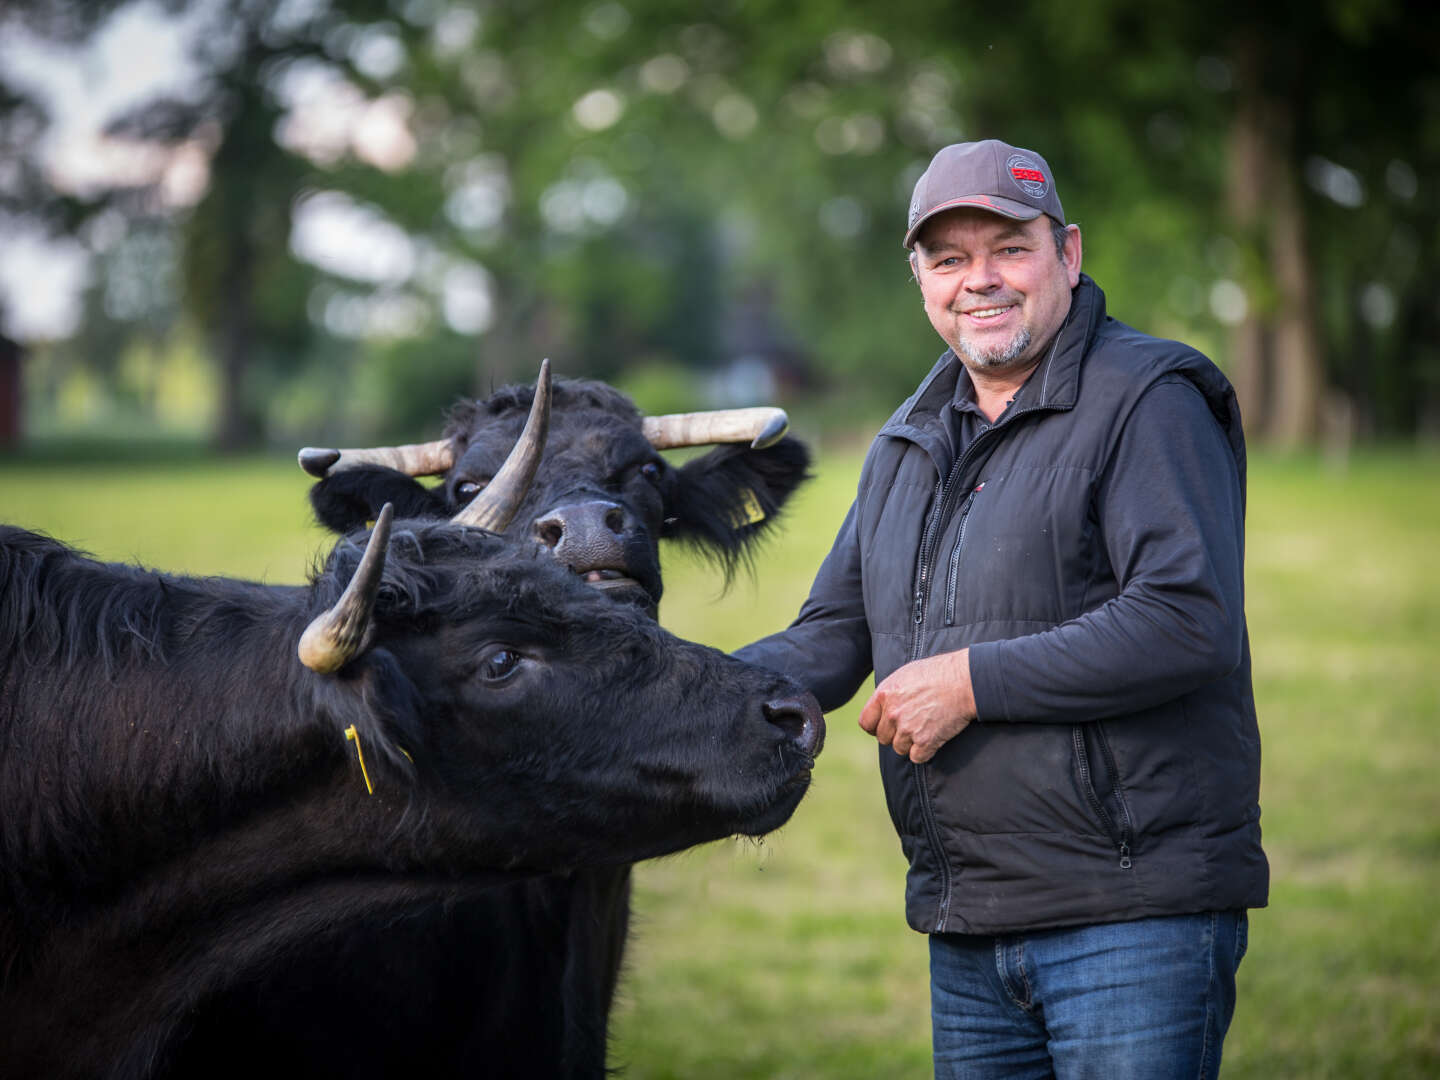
x=415 y=459
x=338 y=635
x=497 y=503
x=760 y=427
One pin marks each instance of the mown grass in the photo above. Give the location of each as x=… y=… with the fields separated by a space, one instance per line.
x=790 y=958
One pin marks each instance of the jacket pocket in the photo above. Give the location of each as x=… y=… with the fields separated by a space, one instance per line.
x=952 y=576
x=1099 y=782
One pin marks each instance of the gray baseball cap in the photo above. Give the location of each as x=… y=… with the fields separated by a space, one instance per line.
x=990 y=175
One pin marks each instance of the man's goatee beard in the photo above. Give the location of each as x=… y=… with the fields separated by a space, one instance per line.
x=997 y=357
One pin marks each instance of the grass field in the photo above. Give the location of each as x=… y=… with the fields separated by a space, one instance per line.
x=790 y=958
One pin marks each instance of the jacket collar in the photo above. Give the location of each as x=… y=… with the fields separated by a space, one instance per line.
x=1054 y=385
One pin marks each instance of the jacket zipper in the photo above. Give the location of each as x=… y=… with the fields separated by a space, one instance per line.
x=929 y=542
x=1120 y=837
x=1126 y=831
x=927 y=808
x=951 y=582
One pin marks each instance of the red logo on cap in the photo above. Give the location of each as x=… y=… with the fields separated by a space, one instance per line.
x=1027 y=177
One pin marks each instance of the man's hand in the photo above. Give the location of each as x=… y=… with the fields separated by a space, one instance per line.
x=920 y=707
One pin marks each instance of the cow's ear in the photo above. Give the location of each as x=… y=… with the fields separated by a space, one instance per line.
x=723 y=501
x=379 y=714
x=352 y=497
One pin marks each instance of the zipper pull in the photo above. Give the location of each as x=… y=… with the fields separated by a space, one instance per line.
x=1124 y=856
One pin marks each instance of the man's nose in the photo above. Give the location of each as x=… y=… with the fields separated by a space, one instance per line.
x=982 y=275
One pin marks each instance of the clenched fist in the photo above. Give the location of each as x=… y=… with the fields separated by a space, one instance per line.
x=920 y=707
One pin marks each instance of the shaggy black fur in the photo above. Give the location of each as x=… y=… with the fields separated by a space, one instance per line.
x=184 y=825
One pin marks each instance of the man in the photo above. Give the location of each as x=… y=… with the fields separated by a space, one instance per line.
x=1044 y=568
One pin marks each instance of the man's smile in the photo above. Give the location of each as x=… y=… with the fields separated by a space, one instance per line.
x=990 y=312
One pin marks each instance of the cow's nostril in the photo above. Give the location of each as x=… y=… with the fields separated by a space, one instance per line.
x=800 y=718
x=586 y=535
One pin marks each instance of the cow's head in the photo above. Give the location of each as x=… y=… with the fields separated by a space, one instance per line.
x=529 y=708
x=602 y=496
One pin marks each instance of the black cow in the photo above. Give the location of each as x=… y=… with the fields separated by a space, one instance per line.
x=600 y=501
x=187 y=813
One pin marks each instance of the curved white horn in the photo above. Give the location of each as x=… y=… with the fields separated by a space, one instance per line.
x=414 y=459
x=496 y=505
x=760 y=427
x=336 y=636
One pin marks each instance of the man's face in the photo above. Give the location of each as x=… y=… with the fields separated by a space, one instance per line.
x=994 y=288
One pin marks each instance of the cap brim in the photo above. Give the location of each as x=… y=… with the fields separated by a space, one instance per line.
x=993 y=203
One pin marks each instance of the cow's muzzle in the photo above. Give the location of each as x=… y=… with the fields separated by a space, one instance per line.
x=800 y=718
x=594 y=538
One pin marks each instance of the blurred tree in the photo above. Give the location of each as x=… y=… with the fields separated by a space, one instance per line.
x=615 y=183
x=240 y=279
x=235 y=272
x=27 y=200
x=1334 y=143
x=1282 y=152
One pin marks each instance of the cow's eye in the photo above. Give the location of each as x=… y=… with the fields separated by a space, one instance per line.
x=651 y=471
x=468 y=489
x=499 y=664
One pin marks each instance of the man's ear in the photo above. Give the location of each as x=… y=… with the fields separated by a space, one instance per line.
x=1073 y=253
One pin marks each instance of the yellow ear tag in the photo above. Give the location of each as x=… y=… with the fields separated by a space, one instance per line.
x=749 y=513
x=354 y=736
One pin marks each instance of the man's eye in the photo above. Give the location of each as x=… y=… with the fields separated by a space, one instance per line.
x=499 y=664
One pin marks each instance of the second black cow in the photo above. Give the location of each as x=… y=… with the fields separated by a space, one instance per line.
x=603 y=496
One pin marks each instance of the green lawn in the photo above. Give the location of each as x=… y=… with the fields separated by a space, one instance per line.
x=790 y=958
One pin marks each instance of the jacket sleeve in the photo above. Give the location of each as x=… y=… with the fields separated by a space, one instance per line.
x=1171 y=514
x=827 y=648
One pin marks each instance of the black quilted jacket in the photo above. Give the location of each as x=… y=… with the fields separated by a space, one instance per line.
x=1089 y=549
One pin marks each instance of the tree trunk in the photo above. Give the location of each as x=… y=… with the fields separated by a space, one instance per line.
x=1299 y=378
x=1245 y=182
x=511 y=350
x=234 y=238
x=11 y=355
x=236 y=426
x=1278 y=368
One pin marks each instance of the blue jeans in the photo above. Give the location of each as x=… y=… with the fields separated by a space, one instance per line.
x=1145 y=999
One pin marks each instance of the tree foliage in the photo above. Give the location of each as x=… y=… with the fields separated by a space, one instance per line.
x=625 y=185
